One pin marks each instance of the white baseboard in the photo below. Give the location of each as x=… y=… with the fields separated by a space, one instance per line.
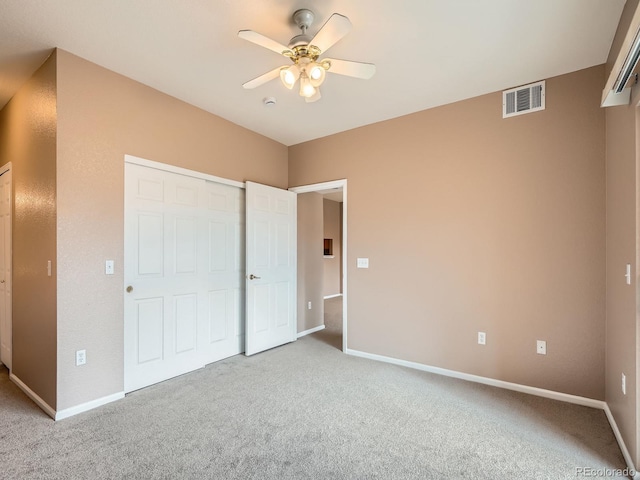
x=623 y=446
x=33 y=396
x=84 y=407
x=311 y=330
x=540 y=392
x=333 y=296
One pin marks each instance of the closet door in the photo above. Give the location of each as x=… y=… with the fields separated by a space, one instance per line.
x=271 y=267
x=164 y=275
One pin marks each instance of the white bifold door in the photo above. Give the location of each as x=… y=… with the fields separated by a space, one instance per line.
x=185 y=275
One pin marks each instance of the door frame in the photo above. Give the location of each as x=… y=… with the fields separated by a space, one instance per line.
x=318 y=187
x=7 y=168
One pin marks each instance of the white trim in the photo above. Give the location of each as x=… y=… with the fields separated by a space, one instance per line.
x=540 y=392
x=181 y=171
x=84 y=407
x=325 y=186
x=311 y=330
x=5 y=168
x=316 y=187
x=623 y=446
x=33 y=396
x=333 y=296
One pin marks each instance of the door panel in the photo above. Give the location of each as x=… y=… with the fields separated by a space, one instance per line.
x=271 y=267
x=149 y=331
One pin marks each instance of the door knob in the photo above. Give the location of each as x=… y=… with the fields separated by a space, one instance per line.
x=129 y=289
x=1 y=281
x=253 y=277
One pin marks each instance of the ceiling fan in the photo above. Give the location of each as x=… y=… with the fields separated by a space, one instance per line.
x=305 y=51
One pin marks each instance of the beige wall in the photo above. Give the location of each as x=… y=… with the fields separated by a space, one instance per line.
x=310 y=272
x=28 y=140
x=332 y=229
x=486 y=225
x=101 y=117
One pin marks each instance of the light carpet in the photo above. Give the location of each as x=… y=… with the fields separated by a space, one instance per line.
x=306 y=410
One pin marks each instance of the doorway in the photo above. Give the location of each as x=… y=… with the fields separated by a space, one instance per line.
x=335 y=307
x=5 y=266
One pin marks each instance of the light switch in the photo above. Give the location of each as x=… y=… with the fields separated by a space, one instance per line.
x=627 y=274
x=109 y=267
x=363 y=263
x=48 y=268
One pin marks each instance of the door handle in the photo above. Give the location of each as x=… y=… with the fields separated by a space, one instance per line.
x=253 y=277
x=1 y=281
x=129 y=289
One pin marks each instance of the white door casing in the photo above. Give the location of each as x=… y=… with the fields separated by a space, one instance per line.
x=5 y=266
x=271 y=267
x=183 y=262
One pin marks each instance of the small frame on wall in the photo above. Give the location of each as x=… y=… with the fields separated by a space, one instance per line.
x=328 y=247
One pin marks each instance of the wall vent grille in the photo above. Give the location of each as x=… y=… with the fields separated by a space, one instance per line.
x=521 y=100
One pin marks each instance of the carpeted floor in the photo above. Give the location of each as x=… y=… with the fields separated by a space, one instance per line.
x=306 y=410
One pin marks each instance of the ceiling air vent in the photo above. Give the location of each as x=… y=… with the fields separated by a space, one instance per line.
x=520 y=100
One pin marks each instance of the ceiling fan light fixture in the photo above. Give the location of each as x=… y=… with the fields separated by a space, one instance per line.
x=314 y=98
x=289 y=76
x=307 y=90
x=316 y=74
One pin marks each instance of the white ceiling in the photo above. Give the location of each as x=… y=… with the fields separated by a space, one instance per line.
x=427 y=52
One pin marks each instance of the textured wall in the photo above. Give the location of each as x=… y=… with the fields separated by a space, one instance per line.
x=332 y=283
x=476 y=223
x=310 y=273
x=28 y=140
x=101 y=117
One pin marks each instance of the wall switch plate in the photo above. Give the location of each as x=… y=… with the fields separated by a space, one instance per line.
x=541 y=347
x=48 y=268
x=363 y=263
x=309 y=305
x=81 y=357
x=482 y=338
x=627 y=274
x=109 y=267
x=624 y=384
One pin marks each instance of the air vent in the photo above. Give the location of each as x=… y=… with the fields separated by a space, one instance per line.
x=521 y=100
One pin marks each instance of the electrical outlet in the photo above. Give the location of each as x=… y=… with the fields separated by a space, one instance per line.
x=309 y=306
x=81 y=357
x=482 y=338
x=624 y=384
x=541 y=347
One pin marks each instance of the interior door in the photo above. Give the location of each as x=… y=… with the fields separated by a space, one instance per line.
x=271 y=268
x=223 y=333
x=5 y=269
x=164 y=274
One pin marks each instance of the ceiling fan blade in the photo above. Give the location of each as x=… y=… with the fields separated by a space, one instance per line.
x=333 y=30
x=266 y=42
x=351 y=69
x=262 y=79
